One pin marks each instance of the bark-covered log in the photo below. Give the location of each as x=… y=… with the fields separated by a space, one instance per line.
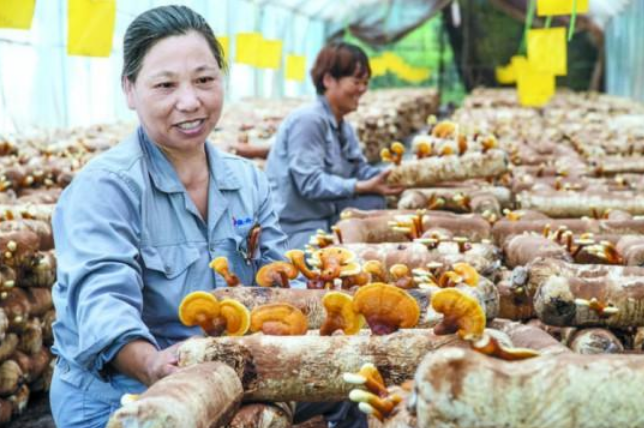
x=310 y=301
x=505 y=228
x=515 y=303
x=6 y=409
x=8 y=346
x=594 y=341
x=40 y=301
x=40 y=271
x=30 y=339
x=574 y=204
x=631 y=249
x=16 y=306
x=11 y=377
x=203 y=396
x=556 y=301
x=531 y=337
x=4 y=324
x=32 y=366
x=17 y=247
x=430 y=171
x=452 y=198
x=19 y=400
x=485 y=258
x=40 y=212
x=263 y=415
x=47 y=333
x=310 y=368
x=520 y=250
x=620 y=165
x=377 y=229
x=41 y=228
x=463 y=388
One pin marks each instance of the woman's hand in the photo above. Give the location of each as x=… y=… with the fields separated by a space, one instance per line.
x=142 y=361
x=378 y=184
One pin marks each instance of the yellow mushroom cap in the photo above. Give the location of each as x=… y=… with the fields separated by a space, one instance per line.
x=237 y=317
x=467 y=272
x=386 y=308
x=219 y=265
x=278 y=319
x=461 y=313
x=198 y=308
x=340 y=314
x=276 y=273
x=398 y=148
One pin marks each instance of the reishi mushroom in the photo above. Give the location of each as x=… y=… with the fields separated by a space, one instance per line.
x=278 y=319
x=340 y=314
x=214 y=317
x=276 y=274
x=220 y=265
x=375 y=399
x=386 y=308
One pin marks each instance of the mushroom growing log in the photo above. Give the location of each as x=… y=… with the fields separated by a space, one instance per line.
x=377 y=229
x=263 y=415
x=609 y=301
x=631 y=249
x=203 y=396
x=463 y=388
x=455 y=199
x=485 y=258
x=430 y=171
x=594 y=341
x=310 y=368
x=520 y=250
x=576 y=204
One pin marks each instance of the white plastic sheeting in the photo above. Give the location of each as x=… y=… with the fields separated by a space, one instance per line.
x=40 y=86
x=625 y=52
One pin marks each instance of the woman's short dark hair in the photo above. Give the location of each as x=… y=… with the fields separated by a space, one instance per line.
x=339 y=59
x=155 y=25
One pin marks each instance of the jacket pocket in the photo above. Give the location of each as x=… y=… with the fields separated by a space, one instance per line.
x=170 y=260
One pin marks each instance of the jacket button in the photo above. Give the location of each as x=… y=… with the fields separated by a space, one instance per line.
x=168 y=270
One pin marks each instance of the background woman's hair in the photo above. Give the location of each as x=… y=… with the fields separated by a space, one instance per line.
x=155 y=25
x=339 y=59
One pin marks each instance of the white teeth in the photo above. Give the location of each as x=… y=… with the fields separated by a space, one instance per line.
x=190 y=125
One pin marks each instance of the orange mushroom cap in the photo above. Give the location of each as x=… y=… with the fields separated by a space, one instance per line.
x=199 y=308
x=461 y=313
x=278 y=319
x=203 y=309
x=386 y=308
x=444 y=129
x=467 y=272
x=220 y=265
x=276 y=273
x=236 y=316
x=298 y=259
x=376 y=270
x=334 y=261
x=491 y=346
x=340 y=314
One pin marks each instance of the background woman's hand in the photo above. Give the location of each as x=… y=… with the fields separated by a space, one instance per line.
x=378 y=184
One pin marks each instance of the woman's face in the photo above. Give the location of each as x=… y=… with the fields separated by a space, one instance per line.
x=178 y=94
x=344 y=93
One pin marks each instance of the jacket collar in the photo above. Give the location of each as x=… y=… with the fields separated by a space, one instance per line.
x=328 y=113
x=165 y=177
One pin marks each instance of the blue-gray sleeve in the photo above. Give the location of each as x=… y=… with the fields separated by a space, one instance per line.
x=306 y=153
x=364 y=171
x=96 y=230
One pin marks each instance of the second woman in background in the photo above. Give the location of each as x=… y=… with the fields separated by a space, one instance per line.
x=316 y=167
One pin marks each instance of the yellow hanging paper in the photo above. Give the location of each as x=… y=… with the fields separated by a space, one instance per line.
x=17 y=13
x=560 y=7
x=534 y=87
x=270 y=54
x=547 y=50
x=506 y=74
x=224 y=41
x=90 y=27
x=248 y=47
x=378 y=67
x=295 y=67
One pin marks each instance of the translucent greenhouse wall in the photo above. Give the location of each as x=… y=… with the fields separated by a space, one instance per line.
x=625 y=52
x=42 y=87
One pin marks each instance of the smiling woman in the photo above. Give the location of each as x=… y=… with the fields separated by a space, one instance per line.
x=316 y=167
x=138 y=226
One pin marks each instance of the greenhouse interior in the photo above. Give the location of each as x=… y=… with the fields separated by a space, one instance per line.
x=311 y=214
